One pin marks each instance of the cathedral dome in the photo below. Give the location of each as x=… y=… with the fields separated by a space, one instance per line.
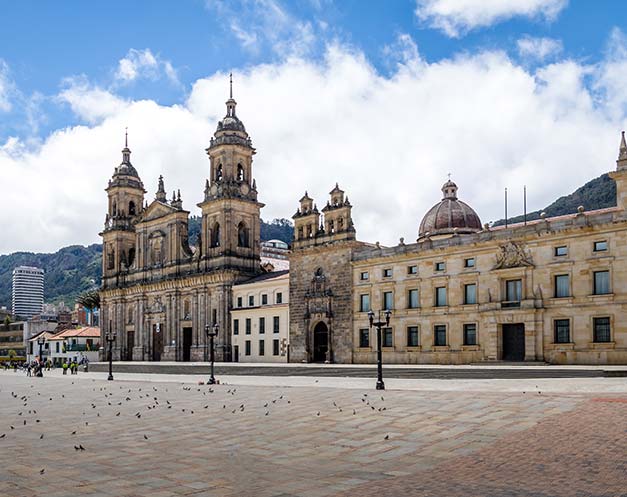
x=231 y=123
x=450 y=215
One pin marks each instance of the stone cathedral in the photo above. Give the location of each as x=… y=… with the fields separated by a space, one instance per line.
x=158 y=293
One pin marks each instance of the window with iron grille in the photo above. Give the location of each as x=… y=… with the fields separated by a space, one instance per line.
x=470 y=334
x=562 y=330
x=602 y=330
x=439 y=335
x=412 y=336
x=364 y=337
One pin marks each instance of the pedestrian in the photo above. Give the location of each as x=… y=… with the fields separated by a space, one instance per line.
x=28 y=369
x=65 y=366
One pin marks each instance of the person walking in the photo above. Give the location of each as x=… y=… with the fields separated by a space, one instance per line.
x=64 y=366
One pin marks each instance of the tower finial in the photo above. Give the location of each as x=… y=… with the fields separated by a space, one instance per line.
x=621 y=163
x=126 y=137
x=231 y=85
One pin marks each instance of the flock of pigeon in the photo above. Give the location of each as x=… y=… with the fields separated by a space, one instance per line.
x=114 y=400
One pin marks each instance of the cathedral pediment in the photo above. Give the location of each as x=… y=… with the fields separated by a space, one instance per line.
x=156 y=210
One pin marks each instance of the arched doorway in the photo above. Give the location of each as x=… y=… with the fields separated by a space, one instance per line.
x=320 y=342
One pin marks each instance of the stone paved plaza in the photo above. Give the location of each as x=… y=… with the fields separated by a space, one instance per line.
x=160 y=438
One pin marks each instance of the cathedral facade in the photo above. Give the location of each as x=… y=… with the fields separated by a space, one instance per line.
x=158 y=294
x=551 y=290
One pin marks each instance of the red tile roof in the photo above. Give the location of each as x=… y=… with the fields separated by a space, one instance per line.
x=87 y=332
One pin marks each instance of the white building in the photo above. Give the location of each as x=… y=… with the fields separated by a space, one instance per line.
x=72 y=344
x=28 y=291
x=260 y=319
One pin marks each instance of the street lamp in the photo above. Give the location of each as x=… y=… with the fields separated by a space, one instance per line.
x=212 y=332
x=41 y=340
x=110 y=338
x=378 y=324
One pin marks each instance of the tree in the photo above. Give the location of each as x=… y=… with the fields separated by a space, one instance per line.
x=12 y=354
x=90 y=299
x=7 y=322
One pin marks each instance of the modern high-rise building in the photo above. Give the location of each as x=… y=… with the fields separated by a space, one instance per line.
x=28 y=291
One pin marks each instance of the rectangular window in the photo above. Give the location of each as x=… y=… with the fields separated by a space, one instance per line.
x=600 y=246
x=275 y=324
x=412 y=269
x=412 y=299
x=364 y=303
x=248 y=326
x=236 y=327
x=275 y=346
x=387 y=337
x=264 y=299
x=562 y=330
x=412 y=336
x=440 y=266
x=601 y=282
x=279 y=297
x=562 y=286
x=363 y=276
x=57 y=347
x=387 y=273
x=388 y=300
x=215 y=315
x=470 y=334
x=602 y=329
x=262 y=347
x=439 y=335
x=262 y=326
x=239 y=301
x=440 y=296
x=469 y=262
x=251 y=301
x=561 y=251
x=470 y=294
x=364 y=338
x=513 y=290
x=247 y=347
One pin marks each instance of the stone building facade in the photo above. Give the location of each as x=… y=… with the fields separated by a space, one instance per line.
x=551 y=290
x=158 y=293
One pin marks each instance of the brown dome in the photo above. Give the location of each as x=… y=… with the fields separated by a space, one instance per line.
x=450 y=215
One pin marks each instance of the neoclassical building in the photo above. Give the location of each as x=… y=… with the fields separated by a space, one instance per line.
x=551 y=290
x=158 y=293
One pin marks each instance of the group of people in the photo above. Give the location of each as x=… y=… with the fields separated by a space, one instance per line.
x=36 y=367
x=72 y=366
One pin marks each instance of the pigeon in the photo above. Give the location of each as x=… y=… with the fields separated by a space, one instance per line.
x=117 y=414
x=387 y=437
x=3 y=435
x=318 y=413
x=353 y=412
x=41 y=436
x=267 y=412
x=145 y=437
x=74 y=432
x=76 y=447
x=42 y=471
x=81 y=447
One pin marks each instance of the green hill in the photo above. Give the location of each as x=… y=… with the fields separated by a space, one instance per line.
x=596 y=194
x=73 y=270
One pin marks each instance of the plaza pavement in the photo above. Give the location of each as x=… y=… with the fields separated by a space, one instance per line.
x=165 y=435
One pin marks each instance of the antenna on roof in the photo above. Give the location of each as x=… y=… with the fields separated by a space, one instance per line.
x=506 y=207
x=525 y=204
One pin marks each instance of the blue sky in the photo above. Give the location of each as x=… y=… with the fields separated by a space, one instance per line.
x=74 y=74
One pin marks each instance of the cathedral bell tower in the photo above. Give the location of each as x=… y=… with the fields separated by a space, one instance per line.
x=126 y=196
x=231 y=227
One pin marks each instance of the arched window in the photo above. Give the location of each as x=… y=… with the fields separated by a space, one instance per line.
x=131 y=256
x=186 y=310
x=300 y=232
x=215 y=235
x=111 y=259
x=219 y=173
x=340 y=224
x=114 y=210
x=242 y=235
x=240 y=173
x=131 y=208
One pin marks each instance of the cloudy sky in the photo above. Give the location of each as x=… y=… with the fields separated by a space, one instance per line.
x=385 y=98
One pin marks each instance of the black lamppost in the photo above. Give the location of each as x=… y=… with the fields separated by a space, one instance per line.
x=212 y=332
x=378 y=324
x=40 y=370
x=110 y=338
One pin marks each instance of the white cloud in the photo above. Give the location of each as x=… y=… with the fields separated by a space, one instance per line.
x=260 y=23
x=456 y=17
x=539 y=49
x=6 y=87
x=388 y=141
x=144 y=64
